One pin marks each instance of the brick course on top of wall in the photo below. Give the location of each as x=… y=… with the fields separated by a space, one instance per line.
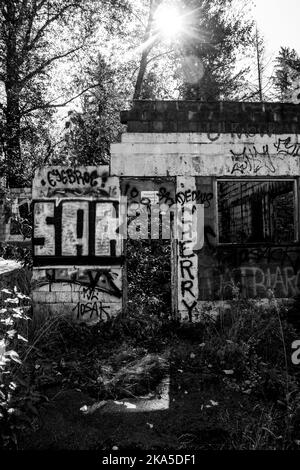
x=221 y=117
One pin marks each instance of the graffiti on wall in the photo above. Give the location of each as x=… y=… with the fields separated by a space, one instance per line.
x=152 y=213
x=76 y=228
x=15 y=214
x=251 y=248
x=253 y=159
x=166 y=195
x=66 y=182
x=256 y=226
x=190 y=239
x=250 y=272
x=87 y=294
x=182 y=212
x=98 y=289
x=254 y=282
x=188 y=292
x=77 y=250
x=287 y=147
x=240 y=131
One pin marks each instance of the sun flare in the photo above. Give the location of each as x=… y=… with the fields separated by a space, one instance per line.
x=168 y=21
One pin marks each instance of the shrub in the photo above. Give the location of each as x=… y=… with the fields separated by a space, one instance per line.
x=13 y=332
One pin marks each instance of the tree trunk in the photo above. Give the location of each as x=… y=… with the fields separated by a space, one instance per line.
x=141 y=75
x=13 y=163
x=154 y=4
x=13 y=148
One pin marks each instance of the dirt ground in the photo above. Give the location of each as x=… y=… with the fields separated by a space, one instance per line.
x=197 y=413
x=185 y=423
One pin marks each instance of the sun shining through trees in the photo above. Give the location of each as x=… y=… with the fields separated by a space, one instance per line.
x=168 y=21
x=174 y=20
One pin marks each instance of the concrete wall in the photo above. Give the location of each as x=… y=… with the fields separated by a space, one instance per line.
x=173 y=157
x=218 y=272
x=77 y=255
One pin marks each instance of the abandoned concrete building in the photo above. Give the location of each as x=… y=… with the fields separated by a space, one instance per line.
x=236 y=165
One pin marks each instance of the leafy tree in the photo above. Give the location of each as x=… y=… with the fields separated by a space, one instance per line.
x=287 y=74
x=148 y=46
x=35 y=36
x=88 y=133
x=215 y=32
x=221 y=31
x=148 y=69
x=53 y=52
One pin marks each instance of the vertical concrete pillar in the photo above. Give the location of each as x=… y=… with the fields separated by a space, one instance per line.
x=190 y=237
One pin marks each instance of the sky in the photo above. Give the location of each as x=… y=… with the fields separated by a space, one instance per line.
x=278 y=21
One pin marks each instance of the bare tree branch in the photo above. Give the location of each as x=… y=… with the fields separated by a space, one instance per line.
x=50 y=150
x=158 y=56
x=45 y=64
x=51 y=104
x=138 y=18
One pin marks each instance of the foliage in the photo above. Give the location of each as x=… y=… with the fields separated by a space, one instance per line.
x=220 y=31
x=247 y=340
x=201 y=60
x=240 y=356
x=108 y=361
x=244 y=352
x=16 y=400
x=287 y=75
x=88 y=133
x=149 y=277
x=20 y=253
x=37 y=40
x=22 y=224
x=78 y=62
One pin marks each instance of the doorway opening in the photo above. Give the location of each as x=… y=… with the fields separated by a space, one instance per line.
x=149 y=246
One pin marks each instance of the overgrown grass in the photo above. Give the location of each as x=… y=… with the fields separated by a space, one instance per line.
x=16 y=398
x=244 y=353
